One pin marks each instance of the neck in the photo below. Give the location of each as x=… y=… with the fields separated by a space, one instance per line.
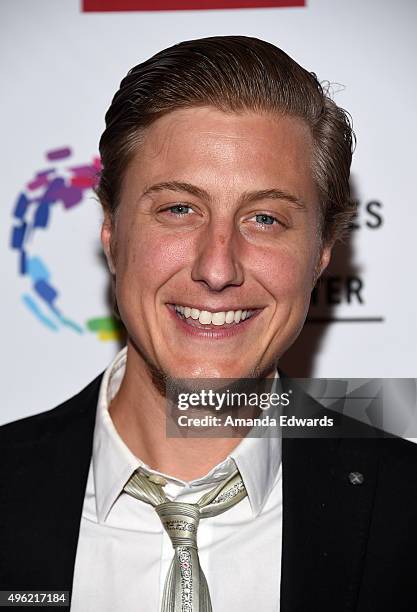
x=139 y=414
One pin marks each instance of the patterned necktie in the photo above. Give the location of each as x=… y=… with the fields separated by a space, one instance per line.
x=185 y=588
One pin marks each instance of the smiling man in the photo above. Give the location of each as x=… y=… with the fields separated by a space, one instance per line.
x=218 y=218
x=222 y=212
x=224 y=188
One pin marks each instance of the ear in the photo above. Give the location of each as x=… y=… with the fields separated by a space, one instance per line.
x=106 y=241
x=323 y=261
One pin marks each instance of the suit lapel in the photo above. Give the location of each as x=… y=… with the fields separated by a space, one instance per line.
x=44 y=498
x=325 y=521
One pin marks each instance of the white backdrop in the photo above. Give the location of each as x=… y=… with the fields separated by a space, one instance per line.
x=59 y=70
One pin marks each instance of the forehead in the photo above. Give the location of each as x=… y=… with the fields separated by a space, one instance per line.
x=215 y=149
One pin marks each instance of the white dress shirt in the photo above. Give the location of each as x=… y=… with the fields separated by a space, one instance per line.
x=123 y=552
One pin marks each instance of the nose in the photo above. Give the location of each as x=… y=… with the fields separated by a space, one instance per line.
x=217 y=264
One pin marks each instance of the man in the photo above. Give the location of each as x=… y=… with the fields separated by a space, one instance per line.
x=224 y=188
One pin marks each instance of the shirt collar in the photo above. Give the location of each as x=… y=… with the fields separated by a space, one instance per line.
x=113 y=462
x=257 y=458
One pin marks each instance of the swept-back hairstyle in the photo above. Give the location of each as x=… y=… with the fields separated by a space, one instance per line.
x=233 y=74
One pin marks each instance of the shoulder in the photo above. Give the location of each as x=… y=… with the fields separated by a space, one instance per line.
x=40 y=427
x=398 y=462
x=399 y=448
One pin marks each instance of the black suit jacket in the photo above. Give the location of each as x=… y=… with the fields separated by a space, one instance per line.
x=345 y=547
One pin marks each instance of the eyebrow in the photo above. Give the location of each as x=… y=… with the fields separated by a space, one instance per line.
x=246 y=198
x=274 y=194
x=179 y=187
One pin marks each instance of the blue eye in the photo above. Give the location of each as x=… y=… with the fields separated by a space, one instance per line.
x=179 y=209
x=265 y=219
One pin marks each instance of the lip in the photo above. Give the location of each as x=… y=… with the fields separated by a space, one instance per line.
x=213 y=332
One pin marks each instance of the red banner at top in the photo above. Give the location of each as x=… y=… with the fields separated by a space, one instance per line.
x=100 y=6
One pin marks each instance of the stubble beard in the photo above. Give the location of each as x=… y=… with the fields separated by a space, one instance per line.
x=162 y=380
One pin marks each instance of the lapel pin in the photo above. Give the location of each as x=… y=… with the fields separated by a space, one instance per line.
x=356 y=478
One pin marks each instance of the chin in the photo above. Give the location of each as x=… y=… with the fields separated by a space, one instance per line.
x=205 y=371
x=213 y=370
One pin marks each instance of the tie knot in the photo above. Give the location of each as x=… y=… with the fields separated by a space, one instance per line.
x=180 y=521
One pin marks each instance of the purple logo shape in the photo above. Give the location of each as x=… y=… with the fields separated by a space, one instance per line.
x=64 y=187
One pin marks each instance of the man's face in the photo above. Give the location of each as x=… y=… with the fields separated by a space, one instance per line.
x=218 y=213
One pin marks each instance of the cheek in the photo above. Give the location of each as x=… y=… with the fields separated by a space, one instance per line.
x=149 y=258
x=286 y=274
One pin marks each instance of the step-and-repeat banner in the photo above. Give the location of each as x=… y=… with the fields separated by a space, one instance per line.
x=61 y=63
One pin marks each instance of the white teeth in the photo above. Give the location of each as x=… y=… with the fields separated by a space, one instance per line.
x=218 y=318
x=195 y=313
x=230 y=315
x=215 y=318
x=205 y=317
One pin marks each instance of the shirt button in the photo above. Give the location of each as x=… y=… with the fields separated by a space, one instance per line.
x=356 y=478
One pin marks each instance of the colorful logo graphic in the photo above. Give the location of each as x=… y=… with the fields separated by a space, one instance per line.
x=59 y=185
